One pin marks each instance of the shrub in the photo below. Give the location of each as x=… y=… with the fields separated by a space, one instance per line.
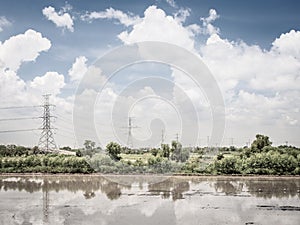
x=228 y=165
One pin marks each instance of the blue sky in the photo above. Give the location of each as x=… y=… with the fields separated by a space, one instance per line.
x=255 y=22
x=251 y=48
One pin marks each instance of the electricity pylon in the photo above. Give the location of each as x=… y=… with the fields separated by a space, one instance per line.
x=129 y=138
x=162 y=136
x=46 y=141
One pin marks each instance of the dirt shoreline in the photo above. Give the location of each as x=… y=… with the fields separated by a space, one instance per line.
x=150 y=175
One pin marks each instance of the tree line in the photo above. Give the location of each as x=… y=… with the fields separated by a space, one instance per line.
x=260 y=158
x=19 y=159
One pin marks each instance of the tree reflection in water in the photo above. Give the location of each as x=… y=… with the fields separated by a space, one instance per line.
x=138 y=203
x=229 y=187
x=274 y=188
x=171 y=187
x=87 y=184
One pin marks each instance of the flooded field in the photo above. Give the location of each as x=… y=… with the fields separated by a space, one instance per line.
x=119 y=200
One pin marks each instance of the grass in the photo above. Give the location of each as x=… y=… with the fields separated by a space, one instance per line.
x=134 y=157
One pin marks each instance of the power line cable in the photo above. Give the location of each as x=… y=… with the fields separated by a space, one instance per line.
x=22 y=130
x=21 y=118
x=20 y=107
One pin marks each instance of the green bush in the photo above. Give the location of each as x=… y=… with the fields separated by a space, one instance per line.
x=270 y=163
x=45 y=163
x=228 y=165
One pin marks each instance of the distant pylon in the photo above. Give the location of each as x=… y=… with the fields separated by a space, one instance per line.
x=129 y=138
x=162 y=136
x=46 y=142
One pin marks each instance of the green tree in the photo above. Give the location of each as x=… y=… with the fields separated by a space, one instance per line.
x=78 y=153
x=228 y=165
x=165 y=150
x=154 y=151
x=177 y=153
x=184 y=155
x=3 y=150
x=66 y=148
x=260 y=142
x=113 y=149
x=89 y=145
x=35 y=150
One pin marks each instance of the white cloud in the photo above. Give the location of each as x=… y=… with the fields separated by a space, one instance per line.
x=4 y=23
x=262 y=110
x=10 y=84
x=14 y=91
x=213 y=15
x=110 y=13
x=113 y=108
x=249 y=76
x=50 y=83
x=258 y=69
x=290 y=120
x=79 y=68
x=60 y=19
x=93 y=78
x=261 y=87
x=207 y=23
x=172 y=3
x=288 y=44
x=157 y=26
x=182 y=14
x=22 y=48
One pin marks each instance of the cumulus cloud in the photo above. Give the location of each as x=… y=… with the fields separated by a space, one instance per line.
x=22 y=48
x=4 y=23
x=157 y=26
x=213 y=15
x=172 y=3
x=288 y=44
x=256 y=83
x=126 y=19
x=15 y=91
x=249 y=76
x=13 y=52
x=208 y=28
x=257 y=68
x=182 y=14
x=60 y=19
x=78 y=69
x=10 y=84
x=261 y=87
x=50 y=83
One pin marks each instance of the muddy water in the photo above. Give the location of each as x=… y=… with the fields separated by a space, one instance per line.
x=118 y=200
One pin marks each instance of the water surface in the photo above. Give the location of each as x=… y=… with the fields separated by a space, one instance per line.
x=118 y=200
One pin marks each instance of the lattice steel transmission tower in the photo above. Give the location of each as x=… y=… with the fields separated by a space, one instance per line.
x=46 y=142
x=162 y=136
x=130 y=127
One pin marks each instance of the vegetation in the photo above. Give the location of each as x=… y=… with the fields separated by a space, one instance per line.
x=260 y=158
x=114 y=149
x=19 y=159
x=44 y=164
x=179 y=154
x=104 y=164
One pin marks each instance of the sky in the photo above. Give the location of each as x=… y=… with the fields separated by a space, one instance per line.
x=251 y=48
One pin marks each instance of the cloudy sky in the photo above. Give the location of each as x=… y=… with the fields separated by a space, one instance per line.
x=252 y=50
